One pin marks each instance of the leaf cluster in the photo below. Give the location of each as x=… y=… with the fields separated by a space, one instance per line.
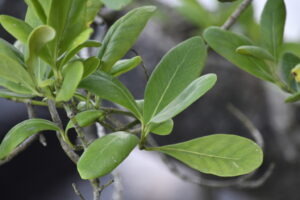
x=46 y=66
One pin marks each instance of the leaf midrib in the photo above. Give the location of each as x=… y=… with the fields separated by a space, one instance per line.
x=168 y=85
x=199 y=154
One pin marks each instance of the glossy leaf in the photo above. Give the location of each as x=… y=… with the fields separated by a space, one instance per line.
x=107 y=87
x=272 y=26
x=105 y=154
x=163 y=128
x=16 y=27
x=21 y=132
x=219 y=154
x=125 y=65
x=225 y=43
x=255 y=51
x=177 y=69
x=122 y=35
x=188 y=96
x=37 y=40
x=288 y=62
x=85 y=118
x=90 y=66
x=72 y=76
x=116 y=4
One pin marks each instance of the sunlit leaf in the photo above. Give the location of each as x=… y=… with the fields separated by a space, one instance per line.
x=219 y=154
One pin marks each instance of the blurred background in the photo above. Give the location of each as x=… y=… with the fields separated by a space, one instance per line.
x=45 y=173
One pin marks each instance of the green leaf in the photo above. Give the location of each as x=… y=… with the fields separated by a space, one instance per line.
x=12 y=67
x=90 y=66
x=16 y=27
x=177 y=69
x=105 y=154
x=163 y=128
x=122 y=35
x=220 y=154
x=116 y=4
x=93 y=7
x=21 y=132
x=288 y=62
x=77 y=29
x=188 y=96
x=107 y=87
x=85 y=118
x=37 y=40
x=8 y=94
x=272 y=26
x=58 y=16
x=225 y=43
x=73 y=52
x=255 y=51
x=125 y=65
x=38 y=9
x=15 y=87
x=72 y=76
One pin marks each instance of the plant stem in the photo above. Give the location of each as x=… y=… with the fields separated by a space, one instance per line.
x=71 y=112
x=56 y=119
x=234 y=16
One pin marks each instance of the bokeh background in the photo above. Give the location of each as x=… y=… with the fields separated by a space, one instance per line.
x=45 y=173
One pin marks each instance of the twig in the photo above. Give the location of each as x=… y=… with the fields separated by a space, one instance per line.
x=56 y=119
x=234 y=16
x=129 y=125
x=77 y=192
x=248 y=124
x=71 y=112
x=116 y=111
x=142 y=65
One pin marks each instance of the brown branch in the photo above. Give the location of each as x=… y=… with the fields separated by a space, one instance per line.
x=235 y=15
